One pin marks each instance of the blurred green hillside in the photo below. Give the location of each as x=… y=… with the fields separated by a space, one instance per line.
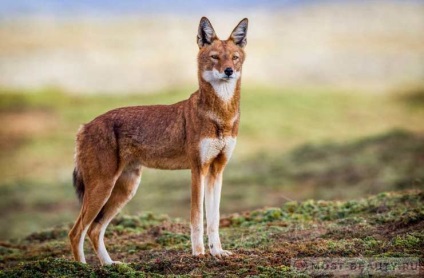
x=293 y=144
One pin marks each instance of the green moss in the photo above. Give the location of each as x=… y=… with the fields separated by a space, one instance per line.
x=60 y=232
x=371 y=243
x=272 y=214
x=50 y=268
x=122 y=269
x=6 y=250
x=408 y=241
x=172 y=239
x=238 y=220
x=137 y=223
x=404 y=208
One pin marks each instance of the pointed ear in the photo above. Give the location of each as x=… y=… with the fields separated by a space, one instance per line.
x=239 y=33
x=206 y=34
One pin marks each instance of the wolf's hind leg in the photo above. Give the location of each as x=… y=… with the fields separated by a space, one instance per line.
x=92 y=203
x=125 y=188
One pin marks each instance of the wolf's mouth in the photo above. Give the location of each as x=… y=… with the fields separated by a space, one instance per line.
x=227 y=78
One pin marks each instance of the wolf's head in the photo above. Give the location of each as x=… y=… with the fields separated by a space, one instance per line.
x=221 y=61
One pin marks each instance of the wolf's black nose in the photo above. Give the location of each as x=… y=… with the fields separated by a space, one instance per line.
x=228 y=71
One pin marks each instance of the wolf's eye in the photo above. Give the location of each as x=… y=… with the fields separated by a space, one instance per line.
x=235 y=58
x=215 y=57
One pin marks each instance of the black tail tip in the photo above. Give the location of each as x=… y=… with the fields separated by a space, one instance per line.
x=78 y=184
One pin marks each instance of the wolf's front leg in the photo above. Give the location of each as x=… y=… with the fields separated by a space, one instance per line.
x=213 y=196
x=196 y=217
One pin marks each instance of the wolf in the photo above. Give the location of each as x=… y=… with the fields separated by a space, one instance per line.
x=198 y=133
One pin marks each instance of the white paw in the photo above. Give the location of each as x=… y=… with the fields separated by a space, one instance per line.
x=112 y=262
x=198 y=251
x=220 y=253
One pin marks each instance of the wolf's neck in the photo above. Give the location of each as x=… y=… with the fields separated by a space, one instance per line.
x=225 y=90
x=220 y=98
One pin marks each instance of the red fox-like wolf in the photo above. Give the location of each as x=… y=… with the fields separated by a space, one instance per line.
x=198 y=133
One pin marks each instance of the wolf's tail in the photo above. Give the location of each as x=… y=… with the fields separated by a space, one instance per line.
x=78 y=184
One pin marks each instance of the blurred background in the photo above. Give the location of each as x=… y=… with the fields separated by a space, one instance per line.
x=332 y=100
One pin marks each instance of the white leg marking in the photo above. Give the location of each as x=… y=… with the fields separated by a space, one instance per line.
x=213 y=197
x=230 y=144
x=101 y=251
x=81 y=245
x=223 y=86
x=209 y=149
x=197 y=229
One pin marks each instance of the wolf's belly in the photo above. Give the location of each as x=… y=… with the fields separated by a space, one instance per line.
x=173 y=163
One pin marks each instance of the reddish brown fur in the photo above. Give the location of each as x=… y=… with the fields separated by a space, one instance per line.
x=112 y=149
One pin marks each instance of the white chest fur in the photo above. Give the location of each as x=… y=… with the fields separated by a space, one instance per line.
x=210 y=148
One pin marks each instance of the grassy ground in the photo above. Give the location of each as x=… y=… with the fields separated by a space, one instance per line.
x=264 y=241
x=293 y=144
